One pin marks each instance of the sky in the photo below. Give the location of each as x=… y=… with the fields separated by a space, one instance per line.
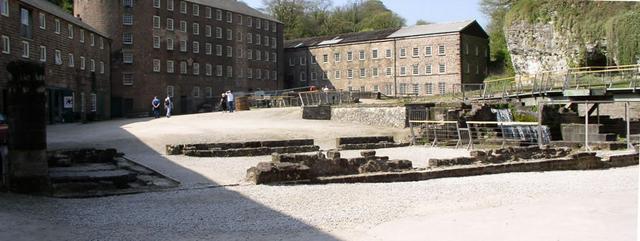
x=437 y=11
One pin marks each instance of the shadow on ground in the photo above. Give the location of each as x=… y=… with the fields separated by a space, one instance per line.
x=196 y=212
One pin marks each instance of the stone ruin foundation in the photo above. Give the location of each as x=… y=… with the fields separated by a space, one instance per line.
x=251 y=148
x=304 y=168
x=92 y=172
x=368 y=142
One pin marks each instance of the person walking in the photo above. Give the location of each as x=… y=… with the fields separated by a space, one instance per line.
x=230 y=101
x=155 y=106
x=223 y=102
x=168 y=105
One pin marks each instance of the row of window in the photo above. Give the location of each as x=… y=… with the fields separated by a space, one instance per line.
x=407 y=89
x=208 y=50
x=57 y=56
x=375 y=72
x=208 y=31
x=266 y=25
x=195 y=92
x=219 y=70
x=362 y=55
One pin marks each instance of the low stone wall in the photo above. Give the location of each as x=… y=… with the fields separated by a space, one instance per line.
x=297 y=168
x=578 y=161
x=375 y=116
x=503 y=155
x=367 y=143
x=251 y=148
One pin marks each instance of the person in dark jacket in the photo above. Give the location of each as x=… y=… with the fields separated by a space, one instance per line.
x=223 y=102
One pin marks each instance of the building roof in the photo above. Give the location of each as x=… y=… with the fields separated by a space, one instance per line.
x=436 y=28
x=235 y=6
x=55 y=10
x=339 y=38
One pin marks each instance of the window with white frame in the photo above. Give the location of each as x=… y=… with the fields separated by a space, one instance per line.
x=229 y=17
x=156 y=3
x=239 y=36
x=170 y=90
x=56 y=26
x=183 y=46
x=229 y=71
x=303 y=75
x=101 y=42
x=249 y=22
x=415 y=69
x=363 y=72
x=183 y=7
x=376 y=88
x=170 y=66
x=208 y=69
x=183 y=26
x=209 y=92
x=388 y=53
x=259 y=74
x=169 y=44
x=266 y=25
x=362 y=55
x=416 y=89
x=208 y=48
x=81 y=35
x=441 y=87
x=127 y=79
x=218 y=32
x=156 y=42
x=274 y=57
x=229 y=51
x=156 y=21
x=57 y=57
x=4 y=7
x=416 y=52
x=240 y=73
x=183 y=67
x=292 y=61
x=325 y=58
x=274 y=27
x=92 y=38
x=196 y=92
x=25 y=49
x=127 y=38
x=43 y=21
x=82 y=63
x=71 y=60
x=336 y=74
x=170 y=26
x=428 y=69
x=427 y=51
x=239 y=52
x=336 y=57
x=374 y=54
x=442 y=68
x=239 y=19
x=92 y=65
x=218 y=14
x=266 y=41
x=196 y=9
x=441 y=50
x=258 y=54
x=374 y=72
x=196 y=69
x=258 y=23
x=218 y=50
x=101 y=67
x=303 y=60
x=428 y=88
x=127 y=57
x=403 y=88
x=196 y=47
x=403 y=52
x=274 y=75
x=219 y=70
x=229 y=34
x=258 y=39
x=468 y=68
x=196 y=29
x=170 y=5
x=349 y=74
x=249 y=73
x=207 y=12
x=208 y=31
x=274 y=43
x=389 y=71
x=477 y=69
x=403 y=71
x=349 y=56
x=314 y=75
x=43 y=54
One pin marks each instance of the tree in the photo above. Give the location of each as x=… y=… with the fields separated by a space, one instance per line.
x=67 y=5
x=500 y=57
x=422 y=22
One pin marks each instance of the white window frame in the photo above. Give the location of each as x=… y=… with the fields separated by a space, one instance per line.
x=183 y=7
x=374 y=54
x=127 y=79
x=196 y=69
x=156 y=22
x=196 y=47
x=195 y=8
x=71 y=60
x=170 y=5
x=156 y=3
x=170 y=24
x=57 y=26
x=5 y=8
x=83 y=63
x=156 y=42
x=428 y=51
x=442 y=50
x=171 y=67
x=43 y=20
x=57 y=57
x=43 y=53
x=196 y=28
x=26 y=49
x=170 y=44
x=442 y=68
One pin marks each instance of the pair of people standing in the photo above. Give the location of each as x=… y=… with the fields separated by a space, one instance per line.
x=168 y=106
x=228 y=101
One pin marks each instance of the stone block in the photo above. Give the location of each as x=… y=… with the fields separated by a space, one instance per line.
x=367 y=154
x=273 y=143
x=373 y=166
x=252 y=144
x=399 y=164
x=270 y=172
x=333 y=154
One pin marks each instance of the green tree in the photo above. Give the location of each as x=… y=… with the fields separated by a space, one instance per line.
x=422 y=22
x=67 y=5
x=500 y=58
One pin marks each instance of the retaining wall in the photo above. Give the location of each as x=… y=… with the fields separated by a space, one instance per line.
x=375 y=116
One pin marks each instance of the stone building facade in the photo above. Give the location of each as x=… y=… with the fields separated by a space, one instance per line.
x=75 y=57
x=192 y=50
x=419 y=60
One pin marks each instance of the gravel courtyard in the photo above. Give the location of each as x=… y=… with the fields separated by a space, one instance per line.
x=216 y=204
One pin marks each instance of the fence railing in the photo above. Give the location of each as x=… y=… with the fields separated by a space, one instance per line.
x=333 y=97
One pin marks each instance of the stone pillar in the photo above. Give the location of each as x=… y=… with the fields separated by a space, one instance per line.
x=28 y=170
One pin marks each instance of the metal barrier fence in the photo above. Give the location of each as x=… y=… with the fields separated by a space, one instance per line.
x=332 y=97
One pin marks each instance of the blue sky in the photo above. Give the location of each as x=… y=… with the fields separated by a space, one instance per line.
x=430 y=10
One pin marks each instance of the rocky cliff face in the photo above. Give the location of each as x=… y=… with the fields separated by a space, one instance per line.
x=541 y=47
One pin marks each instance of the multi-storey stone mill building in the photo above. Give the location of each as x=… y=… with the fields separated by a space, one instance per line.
x=418 y=60
x=192 y=50
x=75 y=57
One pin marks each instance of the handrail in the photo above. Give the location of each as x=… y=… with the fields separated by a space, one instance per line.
x=504 y=123
x=433 y=122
